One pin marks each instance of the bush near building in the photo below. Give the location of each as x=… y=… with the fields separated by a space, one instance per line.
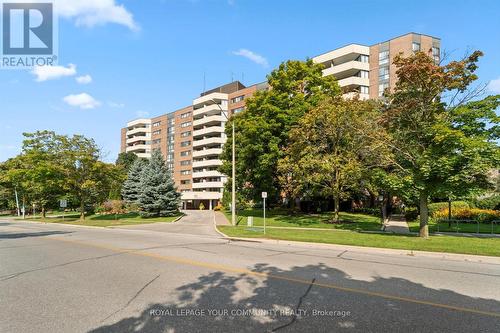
x=476 y=214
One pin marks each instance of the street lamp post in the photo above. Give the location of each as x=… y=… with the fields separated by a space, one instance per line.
x=233 y=192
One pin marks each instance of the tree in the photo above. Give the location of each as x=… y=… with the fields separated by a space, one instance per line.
x=131 y=188
x=331 y=150
x=126 y=160
x=87 y=179
x=262 y=129
x=442 y=144
x=158 y=196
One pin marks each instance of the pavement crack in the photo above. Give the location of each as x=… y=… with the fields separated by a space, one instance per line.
x=132 y=299
x=294 y=316
x=341 y=254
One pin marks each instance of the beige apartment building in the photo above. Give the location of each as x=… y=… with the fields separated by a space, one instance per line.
x=191 y=138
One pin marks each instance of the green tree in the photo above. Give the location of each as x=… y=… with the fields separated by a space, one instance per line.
x=158 y=196
x=126 y=160
x=331 y=150
x=262 y=129
x=442 y=144
x=132 y=186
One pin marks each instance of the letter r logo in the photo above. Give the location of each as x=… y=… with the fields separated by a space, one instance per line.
x=27 y=28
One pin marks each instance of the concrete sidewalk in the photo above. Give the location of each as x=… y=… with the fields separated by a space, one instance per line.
x=397 y=225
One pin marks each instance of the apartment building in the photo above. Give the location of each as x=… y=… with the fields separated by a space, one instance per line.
x=191 y=138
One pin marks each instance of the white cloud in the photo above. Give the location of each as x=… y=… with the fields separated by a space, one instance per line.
x=84 y=79
x=83 y=101
x=142 y=114
x=116 y=105
x=44 y=73
x=494 y=86
x=90 y=13
x=257 y=58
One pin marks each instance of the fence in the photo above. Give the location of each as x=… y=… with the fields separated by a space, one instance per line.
x=462 y=224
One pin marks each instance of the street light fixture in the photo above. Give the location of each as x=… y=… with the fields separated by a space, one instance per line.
x=233 y=193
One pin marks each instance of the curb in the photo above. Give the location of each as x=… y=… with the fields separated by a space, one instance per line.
x=371 y=250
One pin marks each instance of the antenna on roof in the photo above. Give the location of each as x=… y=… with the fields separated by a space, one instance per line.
x=232 y=76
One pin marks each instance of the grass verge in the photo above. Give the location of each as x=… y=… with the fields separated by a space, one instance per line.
x=484 y=228
x=449 y=244
x=106 y=220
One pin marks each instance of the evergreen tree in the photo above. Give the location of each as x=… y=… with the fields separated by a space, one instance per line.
x=132 y=186
x=158 y=196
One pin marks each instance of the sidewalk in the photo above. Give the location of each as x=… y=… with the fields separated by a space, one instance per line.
x=220 y=219
x=397 y=225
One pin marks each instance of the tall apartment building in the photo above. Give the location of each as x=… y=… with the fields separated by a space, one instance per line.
x=191 y=138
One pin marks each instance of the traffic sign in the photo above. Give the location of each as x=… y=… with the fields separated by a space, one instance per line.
x=63 y=203
x=264 y=195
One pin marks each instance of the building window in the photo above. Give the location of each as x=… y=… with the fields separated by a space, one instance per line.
x=156 y=132
x=185 y=115
x=363 y=74
x=185 y=182
x=186 y=124
x=381 y=88
x=238 y=99
x=436 y=54
x=186 y=162
x=364 y=90
x=185 y=134
x=363 y=58
x=156 y=141
x=383 y=58
x=415 y=47
x=185 y=172
x=156 y=124
x=185 y=143
x=383 y=73
x=238 y=110
x=185 y=153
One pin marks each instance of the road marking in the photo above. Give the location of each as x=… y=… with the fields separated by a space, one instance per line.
x=232 y=269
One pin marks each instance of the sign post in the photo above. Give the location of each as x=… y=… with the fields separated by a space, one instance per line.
x=264 y=196
x=63 y=203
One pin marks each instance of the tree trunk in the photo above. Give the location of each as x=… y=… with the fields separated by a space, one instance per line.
x=424 y=215
x=43 y=211
x=82 y=210
x=337 y=208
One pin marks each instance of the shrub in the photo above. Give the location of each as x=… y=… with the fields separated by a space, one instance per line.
x=492 y=202
x=111 y=207
x=437 y=206
x=201 y=206
x=481 y=215
x=370 y=211
x=411 y=214
x=218 y=207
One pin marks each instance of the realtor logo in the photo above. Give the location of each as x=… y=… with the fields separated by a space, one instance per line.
x=28 y=34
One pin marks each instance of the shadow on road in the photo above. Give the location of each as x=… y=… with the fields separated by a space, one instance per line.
x=31 y=234
x=276 y=300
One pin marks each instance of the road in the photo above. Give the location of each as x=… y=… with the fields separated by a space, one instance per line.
x=184 y=277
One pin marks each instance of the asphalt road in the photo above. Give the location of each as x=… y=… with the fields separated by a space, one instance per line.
x=184 y=277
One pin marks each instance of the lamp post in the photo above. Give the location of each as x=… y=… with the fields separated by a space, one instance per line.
x=233 y=192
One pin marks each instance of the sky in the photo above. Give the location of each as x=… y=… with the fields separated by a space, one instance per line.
x=123 y=59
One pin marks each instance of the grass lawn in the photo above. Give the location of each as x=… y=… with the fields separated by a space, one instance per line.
x=451 y=244
x=283 y=218
x=105 y=220
x=484 y=228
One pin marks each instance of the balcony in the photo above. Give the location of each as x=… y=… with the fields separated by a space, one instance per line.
x=139 y=130
x=208 y=141
x=139 y=138
x=202 y=185
x=205 y=174
x=349 y=52
x=346 y=69
x=207 y=152
x=206 y=163
x=210 y=119
x=208 y=130
x=207 y=109
x=354 y=81
x=143 y=155
x=137 y=148
x=200 y=195
x=351 y=95
x=141 y=121
x=208 y=98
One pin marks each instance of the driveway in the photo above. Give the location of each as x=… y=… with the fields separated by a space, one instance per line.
x=195 y=222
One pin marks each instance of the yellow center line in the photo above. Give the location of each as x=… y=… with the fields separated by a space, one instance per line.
x=233 y=269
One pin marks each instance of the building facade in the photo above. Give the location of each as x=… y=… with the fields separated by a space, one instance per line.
x=191 y=138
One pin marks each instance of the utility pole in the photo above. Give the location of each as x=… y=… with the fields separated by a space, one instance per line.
x=17 y=202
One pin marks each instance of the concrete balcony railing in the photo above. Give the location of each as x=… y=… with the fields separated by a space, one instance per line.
x=351 y=95
x=347 y=67
x=206 y=163
x=138 y=130
x=205 y=174
x=144 y=155
x=209 y=119
x=354 y=81
x=207 y=152
x=139 y=122
x=207 y=98
x=208 y=130
x=207 y=109
x=139 y=138
x=137 y=147
x=208 y=141
x=208 y=185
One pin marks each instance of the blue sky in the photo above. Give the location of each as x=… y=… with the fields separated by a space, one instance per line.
x=146 y=58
